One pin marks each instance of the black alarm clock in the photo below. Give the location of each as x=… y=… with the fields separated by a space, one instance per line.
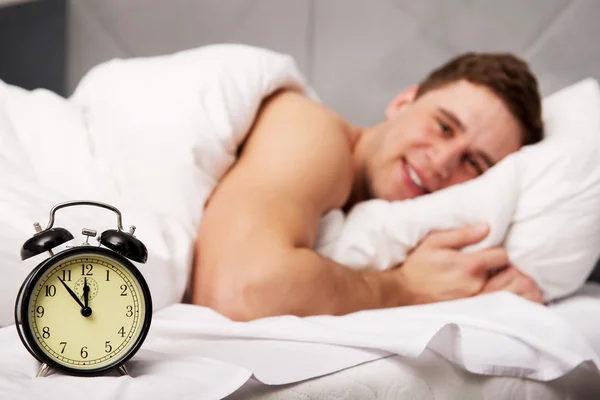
x=87 y=309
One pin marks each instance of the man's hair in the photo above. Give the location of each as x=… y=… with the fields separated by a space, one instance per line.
x=507 y=76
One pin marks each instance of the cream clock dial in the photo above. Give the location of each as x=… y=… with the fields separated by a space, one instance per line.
x=60 y=328
x=86 y=309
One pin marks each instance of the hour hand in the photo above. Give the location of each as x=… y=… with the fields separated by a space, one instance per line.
x=72 y=293
x=86 y=292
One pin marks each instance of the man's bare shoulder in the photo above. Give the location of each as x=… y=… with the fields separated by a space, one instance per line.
x=302 y=106
x=294 y=111
x=293 y=131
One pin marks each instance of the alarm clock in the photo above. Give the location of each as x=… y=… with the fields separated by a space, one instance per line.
x=86 y=309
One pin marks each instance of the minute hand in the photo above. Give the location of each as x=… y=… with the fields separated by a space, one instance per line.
x=72 y=293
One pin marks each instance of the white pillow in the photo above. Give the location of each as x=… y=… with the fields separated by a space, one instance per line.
x=45 y=160
x=555 y=235
x=541 y=202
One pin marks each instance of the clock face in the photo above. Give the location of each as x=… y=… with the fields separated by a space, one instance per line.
x=86 y=310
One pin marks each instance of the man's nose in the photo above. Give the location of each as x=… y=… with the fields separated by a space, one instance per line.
x=445 y=158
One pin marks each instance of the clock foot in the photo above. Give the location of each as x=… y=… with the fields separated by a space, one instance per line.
x=43 y=371
x=123 y=370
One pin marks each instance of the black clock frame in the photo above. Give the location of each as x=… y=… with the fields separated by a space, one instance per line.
x=26 y=290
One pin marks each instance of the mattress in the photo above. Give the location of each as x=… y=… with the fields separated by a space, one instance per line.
x=433 y=377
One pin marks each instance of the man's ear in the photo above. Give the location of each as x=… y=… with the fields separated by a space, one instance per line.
x=403 y=98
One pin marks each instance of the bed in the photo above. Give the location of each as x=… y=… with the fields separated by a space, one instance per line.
x=351 y=51
x=433 y=377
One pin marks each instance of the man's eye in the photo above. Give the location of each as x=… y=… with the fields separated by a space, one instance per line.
x=446 y=129
x=471 y=161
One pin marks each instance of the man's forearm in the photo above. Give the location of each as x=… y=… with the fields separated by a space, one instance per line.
x=309 y=284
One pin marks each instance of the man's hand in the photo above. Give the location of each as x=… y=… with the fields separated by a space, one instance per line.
x=437 y=270
x=513 y=280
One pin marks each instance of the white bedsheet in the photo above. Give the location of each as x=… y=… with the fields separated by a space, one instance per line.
x=428 y=377
x=582 y=311
x=432 y=377
x=496 y=334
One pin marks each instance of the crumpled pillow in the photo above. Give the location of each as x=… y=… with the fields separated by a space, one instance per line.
x=44 y=161
x=542 y=204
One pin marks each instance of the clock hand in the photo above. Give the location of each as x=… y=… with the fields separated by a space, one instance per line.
x=85 y=311
x=72 y=293
x=86 y=291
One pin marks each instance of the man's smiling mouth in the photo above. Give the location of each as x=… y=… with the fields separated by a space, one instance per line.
x=414 y=177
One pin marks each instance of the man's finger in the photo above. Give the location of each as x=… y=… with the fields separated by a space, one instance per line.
x=535 y=296
x=485 y=261
x=517 y=286
x=525 y=287
x=512 y=280
x=501 y=280
x=458 y=238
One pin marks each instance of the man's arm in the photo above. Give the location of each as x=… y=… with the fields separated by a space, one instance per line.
x=253 y=256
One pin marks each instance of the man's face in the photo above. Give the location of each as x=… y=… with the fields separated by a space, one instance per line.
x=447 y=136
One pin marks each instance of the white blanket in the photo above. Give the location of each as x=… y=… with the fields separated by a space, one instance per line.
x=153 y=137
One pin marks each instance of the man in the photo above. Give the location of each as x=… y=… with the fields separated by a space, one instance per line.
x=255 y=254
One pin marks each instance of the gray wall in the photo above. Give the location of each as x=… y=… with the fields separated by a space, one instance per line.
x=356 y=53
x=32 y=44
